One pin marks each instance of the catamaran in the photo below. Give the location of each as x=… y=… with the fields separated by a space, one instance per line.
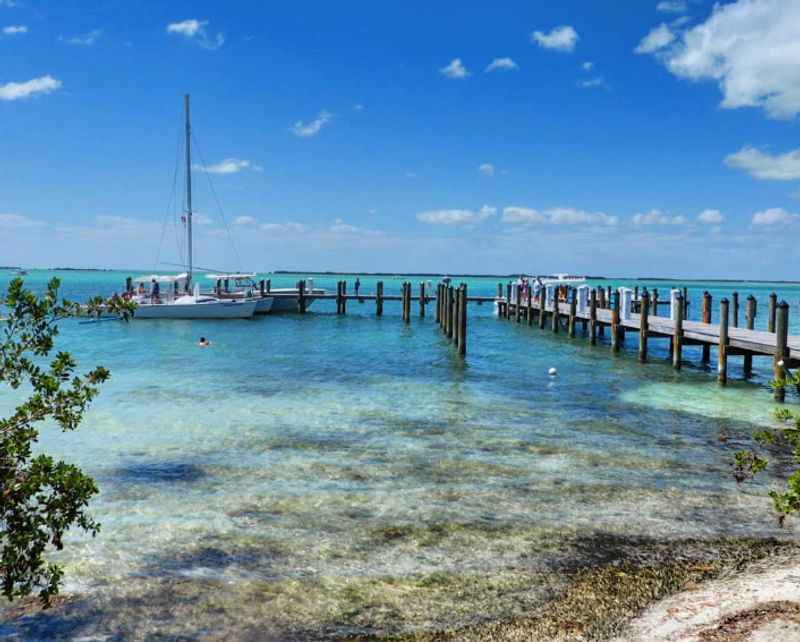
x=180 y=299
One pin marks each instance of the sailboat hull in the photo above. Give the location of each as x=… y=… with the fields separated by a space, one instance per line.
x=203 y=310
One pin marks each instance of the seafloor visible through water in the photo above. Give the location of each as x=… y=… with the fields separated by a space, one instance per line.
x=321 y=475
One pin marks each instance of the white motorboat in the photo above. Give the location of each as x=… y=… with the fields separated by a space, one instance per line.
x=180 y=300
x=244 y=287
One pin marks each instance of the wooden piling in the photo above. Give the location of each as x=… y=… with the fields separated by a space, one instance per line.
x=601 y=304
x=773 y=300
x=301 y=297
x=573 y=312
x=529 y=307
x=644 y=313
x=685 y=302
x=508 y=300
x=706 y=318
x=654 y=302
x=635 y=292
x=615 y=327
x=462 y=343
x=593 y=317
x=338 y=297
x=406 y=302
x=262 y=288
x=735 y=310
x=554 y=319
x=451 y=304
x=542 y=307
x=499 y=290
x=518 y=303
x=422 y=299
x=722 y=348
x=379 y=299
x=750 y=320
x=677 y=339
x=781 y=349
x=608 y=296
x=344 y=297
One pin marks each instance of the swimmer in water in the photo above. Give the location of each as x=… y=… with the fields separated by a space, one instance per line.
x=204 y=343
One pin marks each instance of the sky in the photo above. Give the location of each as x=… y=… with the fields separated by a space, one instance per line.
x=638 y=138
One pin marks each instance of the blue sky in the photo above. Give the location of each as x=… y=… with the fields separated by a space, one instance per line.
x=638 y=138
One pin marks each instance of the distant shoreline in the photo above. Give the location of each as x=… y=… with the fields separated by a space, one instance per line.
x=437 y=275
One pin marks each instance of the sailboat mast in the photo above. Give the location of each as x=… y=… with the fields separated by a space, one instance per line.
x=188 y=192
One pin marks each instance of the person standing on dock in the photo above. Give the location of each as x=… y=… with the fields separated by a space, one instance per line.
x=155 y=292
x=358 y=285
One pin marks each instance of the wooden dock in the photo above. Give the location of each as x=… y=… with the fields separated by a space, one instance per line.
x=596 y=311
x=725 y=336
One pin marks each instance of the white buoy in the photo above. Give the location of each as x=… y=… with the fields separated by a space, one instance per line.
x=552 y=372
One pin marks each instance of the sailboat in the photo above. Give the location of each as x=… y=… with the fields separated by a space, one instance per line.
x=174 y=296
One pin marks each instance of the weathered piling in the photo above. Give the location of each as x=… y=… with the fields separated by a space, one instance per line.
x=573 y=311
x=422 y=299
x=677 y=339
x=781 y=348
x=529 y=308
x=643 y=325
x=462 y=343
x=722 y=349
x=518 y=302
x=344 y=297
x=601 y=304
x=542 y=304
x=773 y=300
x=615 y=328
x=451 y=304
x=706 y=318
x=301 y=297
x=499 y=290
x=735 y=309
x=379 y=300
x=593 y=317
x=508 y=300
x=554 y=319
x=406 y=302
x=654 y=302
x=750 y=320
x=338 y=297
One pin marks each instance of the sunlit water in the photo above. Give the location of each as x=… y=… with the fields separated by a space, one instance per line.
x=318 y=475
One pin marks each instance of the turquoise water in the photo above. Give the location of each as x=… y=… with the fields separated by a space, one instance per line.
x=307 y=477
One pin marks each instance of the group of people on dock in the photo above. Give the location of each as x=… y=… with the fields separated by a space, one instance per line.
x=532 y=291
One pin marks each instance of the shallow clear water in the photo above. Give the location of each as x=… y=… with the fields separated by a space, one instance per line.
x=320 y=475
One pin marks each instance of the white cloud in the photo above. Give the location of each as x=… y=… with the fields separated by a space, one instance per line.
x=195 y=30
x=658 y=38
x=15 y=30
x=244 y=221
x=557 y=216
x=562 y=38
x=751 y=48
x=358 y=107
x=17 y=221
x=487 y=169
x=228 y=166
x=672 y=6
x=593 y=83
x=313 y=127
x=340 y=228
x=711 y=217
x=456 y=217
x=455 y=69
x=283 y=228
x=17 y=90
x=9 y=3
x=501 y=64
x=587 y=66
x=781 y=167
x=85 y=39
x=657 y=217
x=774 y=216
